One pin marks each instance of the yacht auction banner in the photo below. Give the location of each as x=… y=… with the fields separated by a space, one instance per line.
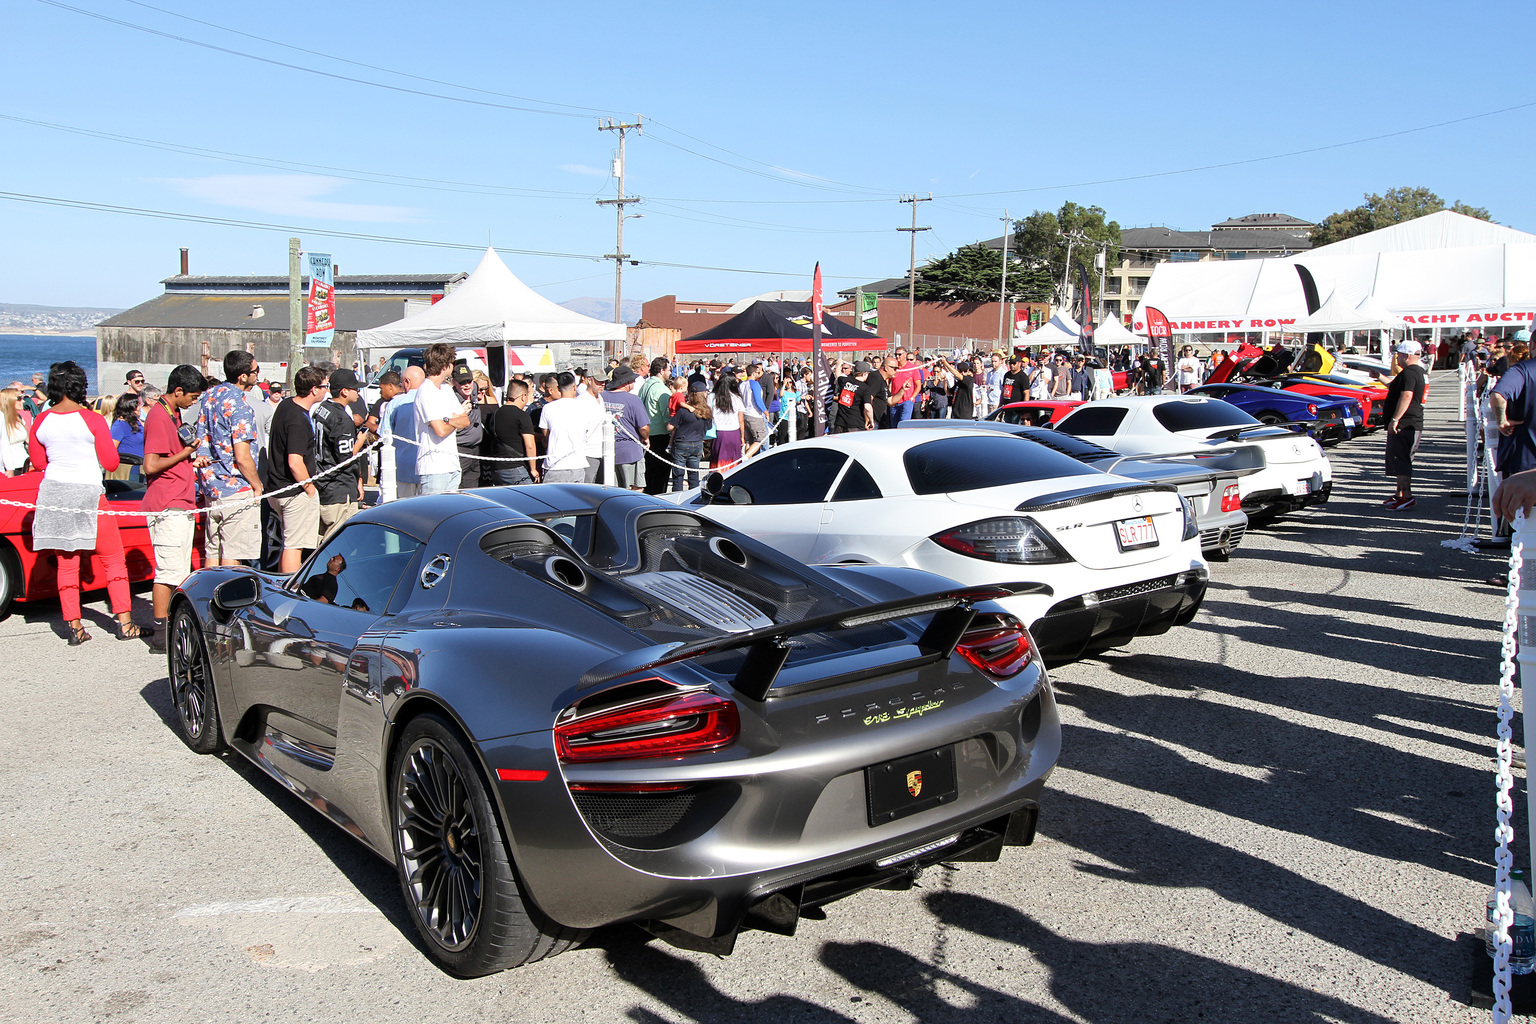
x=320 y=307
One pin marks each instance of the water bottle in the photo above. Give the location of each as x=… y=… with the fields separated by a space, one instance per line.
x=1522 y=933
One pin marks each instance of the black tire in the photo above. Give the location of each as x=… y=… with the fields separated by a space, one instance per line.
x=1270 y=419
x=10 y=579
x=191 y=680
x=455 y=871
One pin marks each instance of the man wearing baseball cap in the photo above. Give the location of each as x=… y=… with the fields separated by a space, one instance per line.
x=1513 y=404
x=335 y=437
x=1405 y=422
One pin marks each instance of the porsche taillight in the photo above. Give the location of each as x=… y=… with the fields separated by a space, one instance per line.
x=998 y=645
x=673 y=725
x=1231 y=498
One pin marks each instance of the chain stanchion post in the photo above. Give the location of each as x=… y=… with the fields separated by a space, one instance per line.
x=608 y=477
x=1461 y=397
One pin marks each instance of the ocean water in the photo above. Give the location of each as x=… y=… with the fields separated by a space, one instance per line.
x=22 y=355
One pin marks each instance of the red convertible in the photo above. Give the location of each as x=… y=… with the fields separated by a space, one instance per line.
x=26 y=575
x=1252 y=365
x=1033 y=413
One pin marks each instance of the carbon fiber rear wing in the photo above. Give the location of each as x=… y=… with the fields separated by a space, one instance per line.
x=768 y=647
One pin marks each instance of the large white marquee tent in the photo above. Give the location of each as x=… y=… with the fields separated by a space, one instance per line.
x=1445 y=270
x=491 y=309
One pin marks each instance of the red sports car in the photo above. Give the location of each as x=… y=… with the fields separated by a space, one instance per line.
x=1033 y=413
x=26 y=575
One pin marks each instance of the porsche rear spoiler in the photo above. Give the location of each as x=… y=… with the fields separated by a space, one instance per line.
x=768 y=647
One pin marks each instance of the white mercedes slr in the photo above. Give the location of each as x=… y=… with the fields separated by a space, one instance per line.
x=1114 y=558
x=1296 y=473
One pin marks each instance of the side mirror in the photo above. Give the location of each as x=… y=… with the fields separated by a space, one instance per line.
x=713 y=486
x=240 y=592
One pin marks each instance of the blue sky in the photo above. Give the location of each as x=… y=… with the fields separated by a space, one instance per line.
x=777 y=134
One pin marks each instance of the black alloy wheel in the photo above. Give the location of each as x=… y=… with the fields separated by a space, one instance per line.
x=454 y=866
x=191 y=679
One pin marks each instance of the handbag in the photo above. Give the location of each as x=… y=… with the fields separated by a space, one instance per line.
x=709 y=435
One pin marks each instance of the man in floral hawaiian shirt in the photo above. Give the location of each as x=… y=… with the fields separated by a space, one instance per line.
x=228 y=485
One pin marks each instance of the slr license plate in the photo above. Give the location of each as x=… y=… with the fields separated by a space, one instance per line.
x=910 y=784
x=1136 y=533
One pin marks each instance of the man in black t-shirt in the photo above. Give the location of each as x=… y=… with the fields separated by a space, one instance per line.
x=855 y=401
x=291 y=459
x=322 y=587
x=335 y=440
x=1152 y=374
x=514 y=436
x=1015 y=386
x=1405 y=421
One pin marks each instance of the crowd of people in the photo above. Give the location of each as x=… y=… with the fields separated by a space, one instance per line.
x=216 y=448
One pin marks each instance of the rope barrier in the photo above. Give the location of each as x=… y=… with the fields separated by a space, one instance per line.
x=194 y=512
x=1504 y=915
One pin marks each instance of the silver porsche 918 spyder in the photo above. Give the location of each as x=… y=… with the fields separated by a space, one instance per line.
x=560 y=707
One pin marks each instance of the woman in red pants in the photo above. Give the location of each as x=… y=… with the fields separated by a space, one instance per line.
x=72 y=446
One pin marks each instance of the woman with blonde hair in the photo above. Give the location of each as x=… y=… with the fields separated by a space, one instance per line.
x=13 y=433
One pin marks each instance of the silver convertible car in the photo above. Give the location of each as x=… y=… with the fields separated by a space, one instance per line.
x=560 y=707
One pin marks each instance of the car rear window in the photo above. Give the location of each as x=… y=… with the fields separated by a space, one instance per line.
x=970 y=463
x=1201 y=415
x=1075 y=447
x=1093 y=421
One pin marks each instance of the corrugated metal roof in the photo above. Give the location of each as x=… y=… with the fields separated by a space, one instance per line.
x=233 y=312
x=276 y=281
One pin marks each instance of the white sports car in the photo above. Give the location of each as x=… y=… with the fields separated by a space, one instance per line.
x=1296 y=473
x=1118 y=558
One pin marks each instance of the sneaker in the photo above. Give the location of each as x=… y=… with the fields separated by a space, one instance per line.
x=1391 y=502
x=1406 y=503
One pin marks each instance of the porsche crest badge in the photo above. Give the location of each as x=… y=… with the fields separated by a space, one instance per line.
x=914 y=783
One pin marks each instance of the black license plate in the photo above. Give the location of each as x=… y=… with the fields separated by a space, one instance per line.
x=910 y=784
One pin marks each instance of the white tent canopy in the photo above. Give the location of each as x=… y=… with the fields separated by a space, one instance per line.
x=1338 y=315
x=491 y=308
x=1444 y=270
x=1114 y=335
x=1056 y=331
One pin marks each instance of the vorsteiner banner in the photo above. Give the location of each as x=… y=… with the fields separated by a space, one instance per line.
x=320 y=307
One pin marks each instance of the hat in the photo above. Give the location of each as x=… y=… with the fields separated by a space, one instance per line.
x=1408 y=348
x=276 y=387
x=698 y=385
x=462 y=374
x=621 y=376
x=862 y=367
x=343 y=379
x=1522 y=335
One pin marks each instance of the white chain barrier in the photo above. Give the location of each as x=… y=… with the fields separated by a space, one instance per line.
x=194 y=512
x=1519 y=610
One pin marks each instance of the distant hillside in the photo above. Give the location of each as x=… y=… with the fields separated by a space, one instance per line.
x=21 y=318
x=602 y=309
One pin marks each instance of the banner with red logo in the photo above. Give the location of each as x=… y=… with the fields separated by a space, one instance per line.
x=1161 y=333
x=320 y=307
x=816 y=297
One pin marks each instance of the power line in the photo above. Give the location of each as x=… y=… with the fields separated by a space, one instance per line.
x=299 y=67
x=196 y=218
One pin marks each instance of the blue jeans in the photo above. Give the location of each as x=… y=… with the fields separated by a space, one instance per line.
x=439 y=483
x=511 y=476
x=901 y=411
x=686 y=455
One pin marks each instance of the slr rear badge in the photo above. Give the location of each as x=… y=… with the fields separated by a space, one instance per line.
x=914 y=782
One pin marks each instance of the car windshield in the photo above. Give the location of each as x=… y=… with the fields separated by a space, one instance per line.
x=1194 y=414
x=971 y=463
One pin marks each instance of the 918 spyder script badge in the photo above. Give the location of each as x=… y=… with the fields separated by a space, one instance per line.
x=917 y=711
x=914 y=783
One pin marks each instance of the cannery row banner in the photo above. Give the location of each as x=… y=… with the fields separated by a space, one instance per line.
x=1462 y=318
x=320 y=307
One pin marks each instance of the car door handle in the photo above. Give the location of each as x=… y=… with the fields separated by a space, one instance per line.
x=826 y=516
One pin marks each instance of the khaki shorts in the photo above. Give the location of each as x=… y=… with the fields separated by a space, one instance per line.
x=172 y=538
x=754 y=430
x=335 y=515
x=234 y=535
x=301 y=520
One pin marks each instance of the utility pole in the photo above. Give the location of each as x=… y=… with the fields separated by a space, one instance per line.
x=1002 y=296
x=912 y=266
x=609 y=124
x=295 y=313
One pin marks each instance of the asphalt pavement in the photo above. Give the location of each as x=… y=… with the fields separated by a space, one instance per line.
x=1281 y=812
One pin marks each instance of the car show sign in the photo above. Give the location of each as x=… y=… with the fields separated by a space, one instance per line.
x=1161 y=333
x=320 y=306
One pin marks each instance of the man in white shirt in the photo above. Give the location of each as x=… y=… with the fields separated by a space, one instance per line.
x=1188 y=368
x=439 y=413
x=567 y=423
x=590 y=389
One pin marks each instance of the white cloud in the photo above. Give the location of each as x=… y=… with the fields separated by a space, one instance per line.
x=286 y=195
x=591 y=172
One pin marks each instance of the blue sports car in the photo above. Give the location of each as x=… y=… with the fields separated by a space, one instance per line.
x=1329 y=420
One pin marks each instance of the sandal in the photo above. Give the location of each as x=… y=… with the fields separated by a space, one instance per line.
x=128 y=630
x=78 y=635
